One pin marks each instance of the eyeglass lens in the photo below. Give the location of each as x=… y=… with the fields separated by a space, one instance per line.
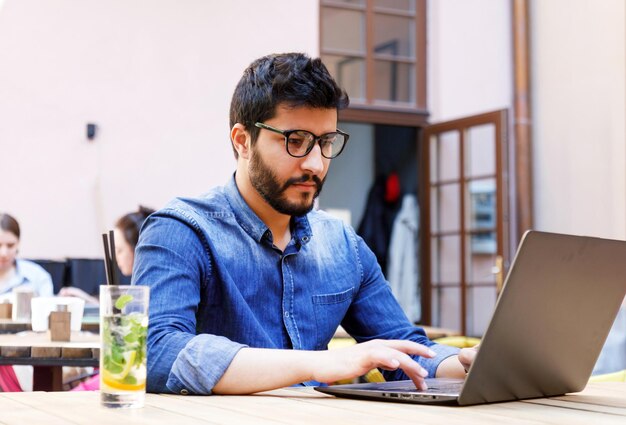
x=301 y=142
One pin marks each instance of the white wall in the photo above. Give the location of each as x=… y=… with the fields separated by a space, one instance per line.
x=579 y=123
x=469 y=57
x=156 y=76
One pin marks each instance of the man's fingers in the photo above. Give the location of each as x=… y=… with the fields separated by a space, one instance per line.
x=395 y=354
x=392 y=359
x=409 y=347
x=466 y=357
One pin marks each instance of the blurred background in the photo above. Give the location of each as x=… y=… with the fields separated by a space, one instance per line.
x=496 y=115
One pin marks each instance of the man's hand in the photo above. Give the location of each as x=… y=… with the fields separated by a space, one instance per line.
x=467 y=356
x=357 y=360
x=457 y=366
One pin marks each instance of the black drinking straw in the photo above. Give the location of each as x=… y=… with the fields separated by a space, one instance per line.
x=107 y=259
x=113 y=259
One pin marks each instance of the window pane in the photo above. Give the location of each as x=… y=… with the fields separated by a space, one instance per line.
x=449 y=257
x=394 y=35
x=433 y=154
x=450 y=207
x=349 y=73
x=394 y=82
x=434 y=209
x=446 y=304
x=401 y=5
x=481 y=150
x=479 y=266
x=343 y=30
x=449 y=154
x=481 y=215
x=480 y=305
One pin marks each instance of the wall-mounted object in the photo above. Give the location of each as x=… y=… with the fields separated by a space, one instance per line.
x=91 y=131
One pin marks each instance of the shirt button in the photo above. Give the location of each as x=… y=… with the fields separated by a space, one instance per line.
x=286 y=314
x=184 y=391
x=305 y=239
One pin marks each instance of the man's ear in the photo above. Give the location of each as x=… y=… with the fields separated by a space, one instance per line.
x=241 y=140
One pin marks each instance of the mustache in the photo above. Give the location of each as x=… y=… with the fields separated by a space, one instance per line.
x=303 y=179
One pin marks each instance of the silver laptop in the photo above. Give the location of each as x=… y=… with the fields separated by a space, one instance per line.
x=560 y=298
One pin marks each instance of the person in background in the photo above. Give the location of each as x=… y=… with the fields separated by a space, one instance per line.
x=249 y=283
x=126 y=233
x=14 y=272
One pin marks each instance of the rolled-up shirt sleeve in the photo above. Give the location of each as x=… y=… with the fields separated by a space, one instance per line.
x=172 y=260
x=201 y=364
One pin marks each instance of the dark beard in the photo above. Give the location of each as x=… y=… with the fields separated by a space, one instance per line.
x=267 y=185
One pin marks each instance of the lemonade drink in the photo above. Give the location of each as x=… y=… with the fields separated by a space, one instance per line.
x=123 y=330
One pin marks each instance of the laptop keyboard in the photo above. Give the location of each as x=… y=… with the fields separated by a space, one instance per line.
x=434 y=386
x=449 y=387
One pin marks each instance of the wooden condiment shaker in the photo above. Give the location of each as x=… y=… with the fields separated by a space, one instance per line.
x=59 y=324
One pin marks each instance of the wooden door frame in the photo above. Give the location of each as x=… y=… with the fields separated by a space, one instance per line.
x=500 y=119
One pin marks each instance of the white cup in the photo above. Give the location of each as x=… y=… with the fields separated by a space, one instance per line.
x=42 y=306
x=22 y=302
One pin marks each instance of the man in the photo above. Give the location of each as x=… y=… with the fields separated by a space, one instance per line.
x=248 y=284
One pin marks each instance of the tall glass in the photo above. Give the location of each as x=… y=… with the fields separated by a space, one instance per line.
x=123 y=334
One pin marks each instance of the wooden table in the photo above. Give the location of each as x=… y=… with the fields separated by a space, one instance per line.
x=48 y=357
x=89 y=324
x=599 y=404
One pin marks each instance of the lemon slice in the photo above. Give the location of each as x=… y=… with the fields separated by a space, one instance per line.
x=129 y=360
x=122 y=301
x=122 y=386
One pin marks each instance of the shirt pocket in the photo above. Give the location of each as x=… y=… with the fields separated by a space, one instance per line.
x=330 y=310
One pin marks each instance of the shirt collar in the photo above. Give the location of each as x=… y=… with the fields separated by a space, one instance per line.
x=253 y=225
x=16 y=280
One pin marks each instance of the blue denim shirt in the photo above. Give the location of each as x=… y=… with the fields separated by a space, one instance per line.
x=219 y=284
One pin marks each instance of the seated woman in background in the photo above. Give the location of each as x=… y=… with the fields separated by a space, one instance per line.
x=15 y=274
x=19 y=273
x=126 y=236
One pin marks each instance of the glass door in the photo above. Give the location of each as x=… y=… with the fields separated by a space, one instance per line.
x=466 y=232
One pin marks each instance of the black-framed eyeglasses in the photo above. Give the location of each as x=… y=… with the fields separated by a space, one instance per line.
x=300 y=142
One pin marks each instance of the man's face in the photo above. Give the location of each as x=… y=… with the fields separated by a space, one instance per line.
x=290 y=185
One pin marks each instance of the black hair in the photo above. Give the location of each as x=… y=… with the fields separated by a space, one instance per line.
x=130 y=224
x=293 y=79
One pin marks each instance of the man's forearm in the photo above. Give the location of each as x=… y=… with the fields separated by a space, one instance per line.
x=258 y=369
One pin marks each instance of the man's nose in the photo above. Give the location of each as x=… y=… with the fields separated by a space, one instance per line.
x=314 y=161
